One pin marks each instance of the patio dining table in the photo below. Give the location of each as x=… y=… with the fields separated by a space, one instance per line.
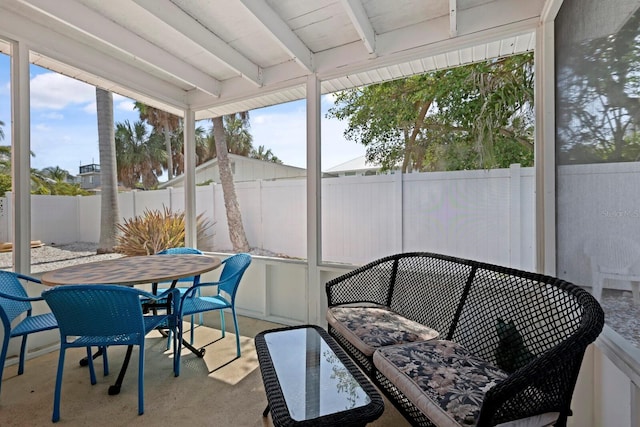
x=130 y=271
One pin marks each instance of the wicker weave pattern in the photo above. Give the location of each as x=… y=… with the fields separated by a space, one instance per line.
x=463 y=300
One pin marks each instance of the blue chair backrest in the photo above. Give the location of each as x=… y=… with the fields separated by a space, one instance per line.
x=181 y=251
x=234 y=268
x=9 y=284
x=97 y=310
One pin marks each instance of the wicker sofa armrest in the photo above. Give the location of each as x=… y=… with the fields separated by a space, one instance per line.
x=546 y=384
x=371 y=283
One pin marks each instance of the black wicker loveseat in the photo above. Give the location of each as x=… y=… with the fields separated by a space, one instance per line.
x=455 y=342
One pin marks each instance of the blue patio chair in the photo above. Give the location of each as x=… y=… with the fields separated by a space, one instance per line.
x=182 y=289
x=106 y=315
x=14 y=302
x=227 y=287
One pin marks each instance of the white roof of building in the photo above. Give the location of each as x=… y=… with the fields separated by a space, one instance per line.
x=233 y=158
x=357 y=164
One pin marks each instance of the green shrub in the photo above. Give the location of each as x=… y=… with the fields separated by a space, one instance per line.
x=155 y=231
x=5 y=183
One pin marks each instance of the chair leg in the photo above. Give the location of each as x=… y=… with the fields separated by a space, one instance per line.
x=3 y=354
x=191 y=334
x=92 y=370
x=169 y=333
x=56 y=397
x=200 y=316
x=105 y=362
x=177 y=345
x=23 y=350
x=141 y=380
x=235 y=324
x=222 y=324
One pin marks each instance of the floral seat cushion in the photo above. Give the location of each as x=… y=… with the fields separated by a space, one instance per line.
x=371 y=327
x=441 y=378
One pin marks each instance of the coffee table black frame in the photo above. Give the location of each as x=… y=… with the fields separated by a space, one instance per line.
x=280 y=414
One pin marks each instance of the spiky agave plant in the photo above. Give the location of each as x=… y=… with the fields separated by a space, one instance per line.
x=156 y=230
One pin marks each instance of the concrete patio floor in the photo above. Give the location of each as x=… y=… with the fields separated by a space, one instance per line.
x=219 y=389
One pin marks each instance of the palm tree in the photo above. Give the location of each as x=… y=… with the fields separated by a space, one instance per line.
x=234 y=217
x=56 y=173
x=236 y=131
x=1 y=130
x=264 y=154
x=109 y=211
x=167 y=122
x=140 y=155
x=177 y=142
x=41 y=183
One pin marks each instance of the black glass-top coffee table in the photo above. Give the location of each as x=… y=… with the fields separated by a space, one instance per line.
x=310 y=381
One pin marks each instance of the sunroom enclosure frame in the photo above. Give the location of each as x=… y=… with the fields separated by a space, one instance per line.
x=609 y=349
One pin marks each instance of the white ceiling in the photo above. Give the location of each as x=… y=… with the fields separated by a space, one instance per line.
x=223 y=56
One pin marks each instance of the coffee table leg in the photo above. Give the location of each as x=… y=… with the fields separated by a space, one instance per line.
x=85 y=362
x=266 y=411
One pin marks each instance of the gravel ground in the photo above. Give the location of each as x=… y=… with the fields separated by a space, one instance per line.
x=620 y=312
x=622 y=315
x=50 y=257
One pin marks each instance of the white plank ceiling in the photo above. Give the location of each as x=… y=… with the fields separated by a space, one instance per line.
x=222 y=56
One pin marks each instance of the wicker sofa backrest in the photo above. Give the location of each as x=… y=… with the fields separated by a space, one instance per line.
x=428 y=289
x=537 y=309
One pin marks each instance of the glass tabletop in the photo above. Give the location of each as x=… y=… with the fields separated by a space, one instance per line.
x=312 y=378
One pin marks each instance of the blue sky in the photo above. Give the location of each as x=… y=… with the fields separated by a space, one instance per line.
x=64 y=124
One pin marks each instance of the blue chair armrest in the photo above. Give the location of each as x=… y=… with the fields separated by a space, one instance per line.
x=28 y=278
x=19 y=298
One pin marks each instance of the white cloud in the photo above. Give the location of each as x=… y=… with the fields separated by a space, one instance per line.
x=42 y=127
x=258 y=120
x=328 y=100
x=125 y=105
x=54 y=115
x=90 y=108
x=55 y=91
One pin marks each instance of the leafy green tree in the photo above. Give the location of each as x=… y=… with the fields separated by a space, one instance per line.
x=5 y=183
x=469 y=117
x=140 y=155
x=5 y=159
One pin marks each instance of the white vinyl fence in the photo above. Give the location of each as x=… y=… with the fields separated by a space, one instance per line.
x=486 y=215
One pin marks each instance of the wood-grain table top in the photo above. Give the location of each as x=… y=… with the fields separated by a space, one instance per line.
x=132 y=270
